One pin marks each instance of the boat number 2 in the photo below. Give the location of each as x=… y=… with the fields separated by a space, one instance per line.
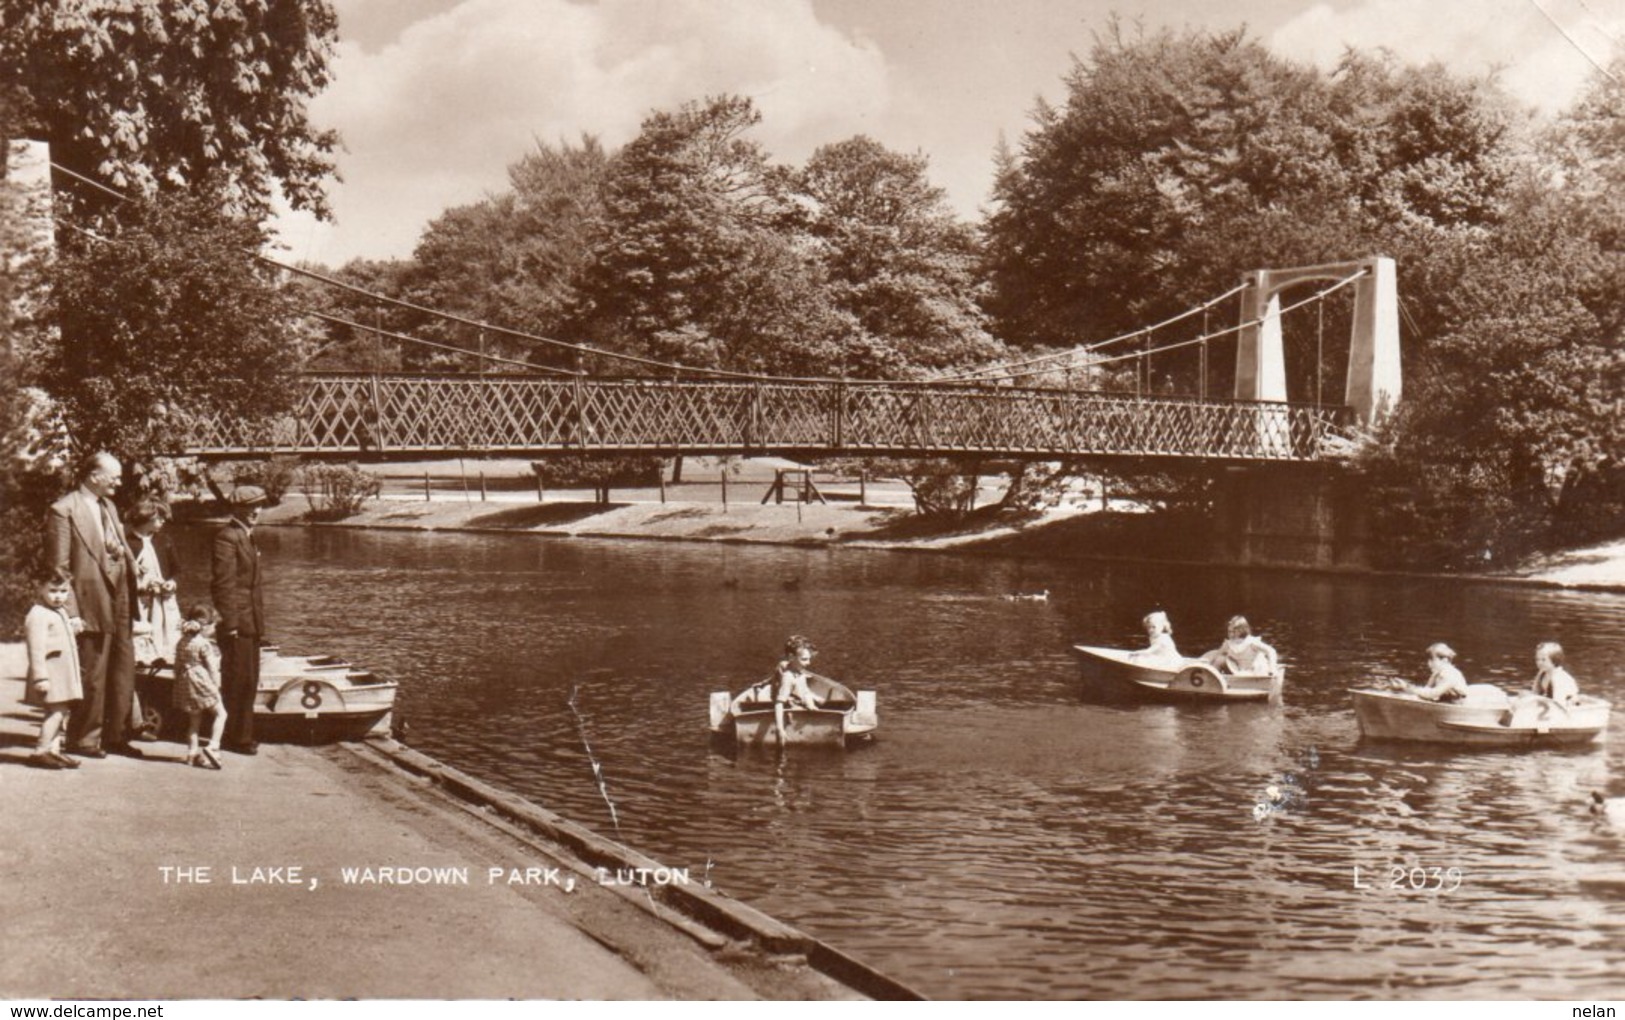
x=313 y=696
x=1417 y=879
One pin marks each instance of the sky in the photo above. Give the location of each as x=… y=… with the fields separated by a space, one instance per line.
x=434 y=99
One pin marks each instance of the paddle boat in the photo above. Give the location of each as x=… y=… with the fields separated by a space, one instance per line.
x=1189 y=680
x=1486 y=717
x=841 y=716
x=310 y=698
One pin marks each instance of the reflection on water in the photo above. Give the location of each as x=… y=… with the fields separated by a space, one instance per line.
x=1011 y=832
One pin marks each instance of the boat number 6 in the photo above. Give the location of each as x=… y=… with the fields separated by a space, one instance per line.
x=313 y=696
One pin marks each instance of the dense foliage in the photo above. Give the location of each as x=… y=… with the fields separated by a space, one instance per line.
x=171 y=94
x=165 y=319
x=1179 y=161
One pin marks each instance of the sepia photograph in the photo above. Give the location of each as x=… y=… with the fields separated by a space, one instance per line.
x=693 y=500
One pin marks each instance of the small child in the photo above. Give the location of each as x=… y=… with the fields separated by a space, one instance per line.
x=1445 y=682
x=1242 y=651
x=792 y=672
x=1160 y=634
x=197 y=684
x=1551 y=679
x=54 y=683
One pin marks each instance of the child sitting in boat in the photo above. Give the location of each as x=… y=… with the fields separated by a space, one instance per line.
x=1445 y=682
x=792 y=688
x=1551 y=679
x=1161 y=650
x=1243 y=651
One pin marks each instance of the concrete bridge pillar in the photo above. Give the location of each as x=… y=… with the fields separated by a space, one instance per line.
x=1291 y=515
x=1373 y=387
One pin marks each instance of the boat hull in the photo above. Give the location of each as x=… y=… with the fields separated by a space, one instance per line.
x=309 y=699
x=1480 y=720
x=1191 y=680
x=750 y=720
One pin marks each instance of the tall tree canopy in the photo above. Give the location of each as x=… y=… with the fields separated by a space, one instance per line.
x=516 y=259
x=1180 y=160
x=896 y=259
x=154 y=94
x=165 y=320
x=696 y=260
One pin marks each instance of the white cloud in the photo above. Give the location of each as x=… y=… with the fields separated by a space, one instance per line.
x=1534 y=60
x=434 y=118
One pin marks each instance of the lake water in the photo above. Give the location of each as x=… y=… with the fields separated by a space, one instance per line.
x=1014 y=831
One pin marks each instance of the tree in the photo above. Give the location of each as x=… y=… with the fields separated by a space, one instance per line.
x=157 y=95
x=516 y=259
x=896 y=259
x=1180 y=161
x=697 y=259
x=164 y=321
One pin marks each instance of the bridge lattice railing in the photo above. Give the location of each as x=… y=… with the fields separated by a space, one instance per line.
x=362 y=415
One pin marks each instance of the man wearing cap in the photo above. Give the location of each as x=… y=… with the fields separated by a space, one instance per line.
x=84 y=538
x=235 y=588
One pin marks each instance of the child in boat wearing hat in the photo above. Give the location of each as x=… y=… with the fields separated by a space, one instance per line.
x=1445 y=682
x=1160 y=651
x=792 y=672
x=1242 y=651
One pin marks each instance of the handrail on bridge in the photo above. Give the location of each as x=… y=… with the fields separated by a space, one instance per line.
x=403 y=415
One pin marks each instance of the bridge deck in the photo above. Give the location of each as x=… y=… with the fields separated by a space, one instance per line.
x=397 y=416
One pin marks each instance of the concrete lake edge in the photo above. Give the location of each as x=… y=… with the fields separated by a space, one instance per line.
x=608 y=940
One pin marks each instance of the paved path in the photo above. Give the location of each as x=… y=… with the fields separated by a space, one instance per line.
x=88 y=912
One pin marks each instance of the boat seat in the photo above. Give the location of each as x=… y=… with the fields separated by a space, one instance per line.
x=1484 y=694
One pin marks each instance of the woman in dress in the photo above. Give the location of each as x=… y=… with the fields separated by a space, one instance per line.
x=155 y=570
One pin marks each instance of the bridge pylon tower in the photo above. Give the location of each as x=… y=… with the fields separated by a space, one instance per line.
x=1374 y=385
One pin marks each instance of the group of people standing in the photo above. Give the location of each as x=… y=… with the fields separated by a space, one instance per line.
x=107 y=605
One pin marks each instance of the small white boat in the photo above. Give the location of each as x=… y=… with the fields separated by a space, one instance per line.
x=1486 y=717
x=1189 y=680
x=323 y=692
x=314 y=697
x=749 y=719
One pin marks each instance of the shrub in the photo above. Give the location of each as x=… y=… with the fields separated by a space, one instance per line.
x=336 y=491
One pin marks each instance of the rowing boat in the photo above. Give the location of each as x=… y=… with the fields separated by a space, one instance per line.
x=1486 y=717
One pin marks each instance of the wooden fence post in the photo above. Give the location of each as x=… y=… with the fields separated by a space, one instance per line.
x=425 y=486
x=482 y=486
x=724 y=490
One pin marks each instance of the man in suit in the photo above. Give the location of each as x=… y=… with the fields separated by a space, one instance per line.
x=83 y=538
x=235 y=588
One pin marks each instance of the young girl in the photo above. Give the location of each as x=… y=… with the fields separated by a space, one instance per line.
x=197 y=684
x=53 y=667
x=1160 y=635
x=792 y=673
x=1242 y=651
x=1551 y=679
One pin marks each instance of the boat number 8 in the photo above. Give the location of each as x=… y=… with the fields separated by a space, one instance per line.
x=313 y=696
